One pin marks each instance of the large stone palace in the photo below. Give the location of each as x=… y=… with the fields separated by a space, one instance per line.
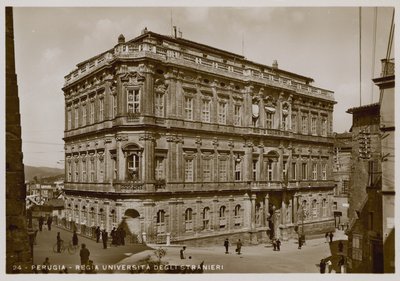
x=184 y=142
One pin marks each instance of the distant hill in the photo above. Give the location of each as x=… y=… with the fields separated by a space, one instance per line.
x=42 y=172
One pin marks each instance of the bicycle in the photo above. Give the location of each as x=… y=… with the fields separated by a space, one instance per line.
x=71 y=248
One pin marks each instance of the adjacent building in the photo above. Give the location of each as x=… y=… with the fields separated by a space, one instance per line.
x=341 y=173
x=371 y=232
x=179 y=141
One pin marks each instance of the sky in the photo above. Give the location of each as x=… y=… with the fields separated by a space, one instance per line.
x=321 y=43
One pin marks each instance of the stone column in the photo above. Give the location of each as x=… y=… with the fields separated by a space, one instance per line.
x=266 y=211
x=248 y=161
x=121 y=157
x=231 y=212
x=247 y=219
x=253 y=211
x=148 y=91
x=171 y=158
x=197 y=224
x=148 y=157
x=107 y=223
x=108 y=173
x=180 y=161
x=172 y=216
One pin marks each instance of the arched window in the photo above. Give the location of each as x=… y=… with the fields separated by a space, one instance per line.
x=102 y=217
x=189 y=219
x=324 y=208
x=222 y=217
x=91 y=221
x=206 y=218
x=133 y=166
x=314 y=208
x=113 y=217
x=84 y=215
x=160 y=221
x=237 y=215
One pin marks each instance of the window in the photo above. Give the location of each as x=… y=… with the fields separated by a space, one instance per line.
x=189 y=219
x=238 y=170
x=345 y=188
x=160 y=221
x=205 y=114
x=76 y=113
x=284 y=122
x=255 y=170
x=222 y=112
x=102 y=218
x=334 y=207
x=237 y=216
x=222 y=170
x=83 y=163
x=113 y=217
x=69 y=120
x=91 y=167
x=207 y=170
x=294 y=170
x=84 y=115
x=189 y=170
x=222 y=217
x=188 y=108
x=101 y=170
x=372 y=172
x=159 y=105
x=269 y=170
x=357 y=247
x=238 y=115
x=294 y=122
x=269 y=120
x=114 y=106
x=258 y=214
x=133 y=101
x=323 y=126
x=69 y=166
x=206 y=218
x=304 y=124
x=91 y=108
x=324 y=207
x=314 y=171
x=133 y=166
x=159 y=172
x=304 y=174
x=101 y=110
x=323 y=174
x=114 y=167
x=314 y=208
x=284 y=171
x=314 y=125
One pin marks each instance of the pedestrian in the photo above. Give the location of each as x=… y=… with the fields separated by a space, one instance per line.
x=274 y=243
x=182 y=253
x=239 y=247
x=46 y=265
x=226 y=245
x=84 y=254
x=104 y=238
x=98 y=233
x=49 y=222
x=330 y=237
x=340 y=246
x=59 y=242
x=41 y=221
x=278 y=244
x=118 y=235
x=75 y=239
x=300 y=242
x=123 y=235
x=322 y=266
x=329 y=264
x=341 y=264
x=113 y=236
x=327 y=237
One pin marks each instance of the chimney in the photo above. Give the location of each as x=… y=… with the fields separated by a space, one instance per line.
x=275 y=64
x=144 y=31
x=121 y=39
x=174 y=31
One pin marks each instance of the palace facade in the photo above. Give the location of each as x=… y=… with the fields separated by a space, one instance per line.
x=182 y=142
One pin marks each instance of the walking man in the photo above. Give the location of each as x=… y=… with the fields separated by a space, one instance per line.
x=327 y=237
x=340 y=246
x=104 y=238
x=182 y=254
x=239 y=246
x=98 y=232
x=330 y=237
x=300 y=242
x=113 y=236
x=274 y=243
x=84 y=254
x=123 y=234
x=59 y=242
x=278 y=244
x=49 y=222
x=322 y=266
x=75 y=239
x=226 y=245
x=41 y=221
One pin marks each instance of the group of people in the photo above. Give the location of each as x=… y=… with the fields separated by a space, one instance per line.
x=49 y=221
x=328 y=264
x=238 y=246
x=329 y=237
x=117 y=236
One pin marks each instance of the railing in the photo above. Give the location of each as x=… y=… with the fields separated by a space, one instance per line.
x=163 y=53
x=387 y=67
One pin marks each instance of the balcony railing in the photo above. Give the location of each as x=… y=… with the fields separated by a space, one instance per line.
x=165 y=54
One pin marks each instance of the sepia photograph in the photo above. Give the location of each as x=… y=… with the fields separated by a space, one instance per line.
x=199 y=140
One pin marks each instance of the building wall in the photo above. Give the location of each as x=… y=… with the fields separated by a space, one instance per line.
x=18 y=251
x=152 y=122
